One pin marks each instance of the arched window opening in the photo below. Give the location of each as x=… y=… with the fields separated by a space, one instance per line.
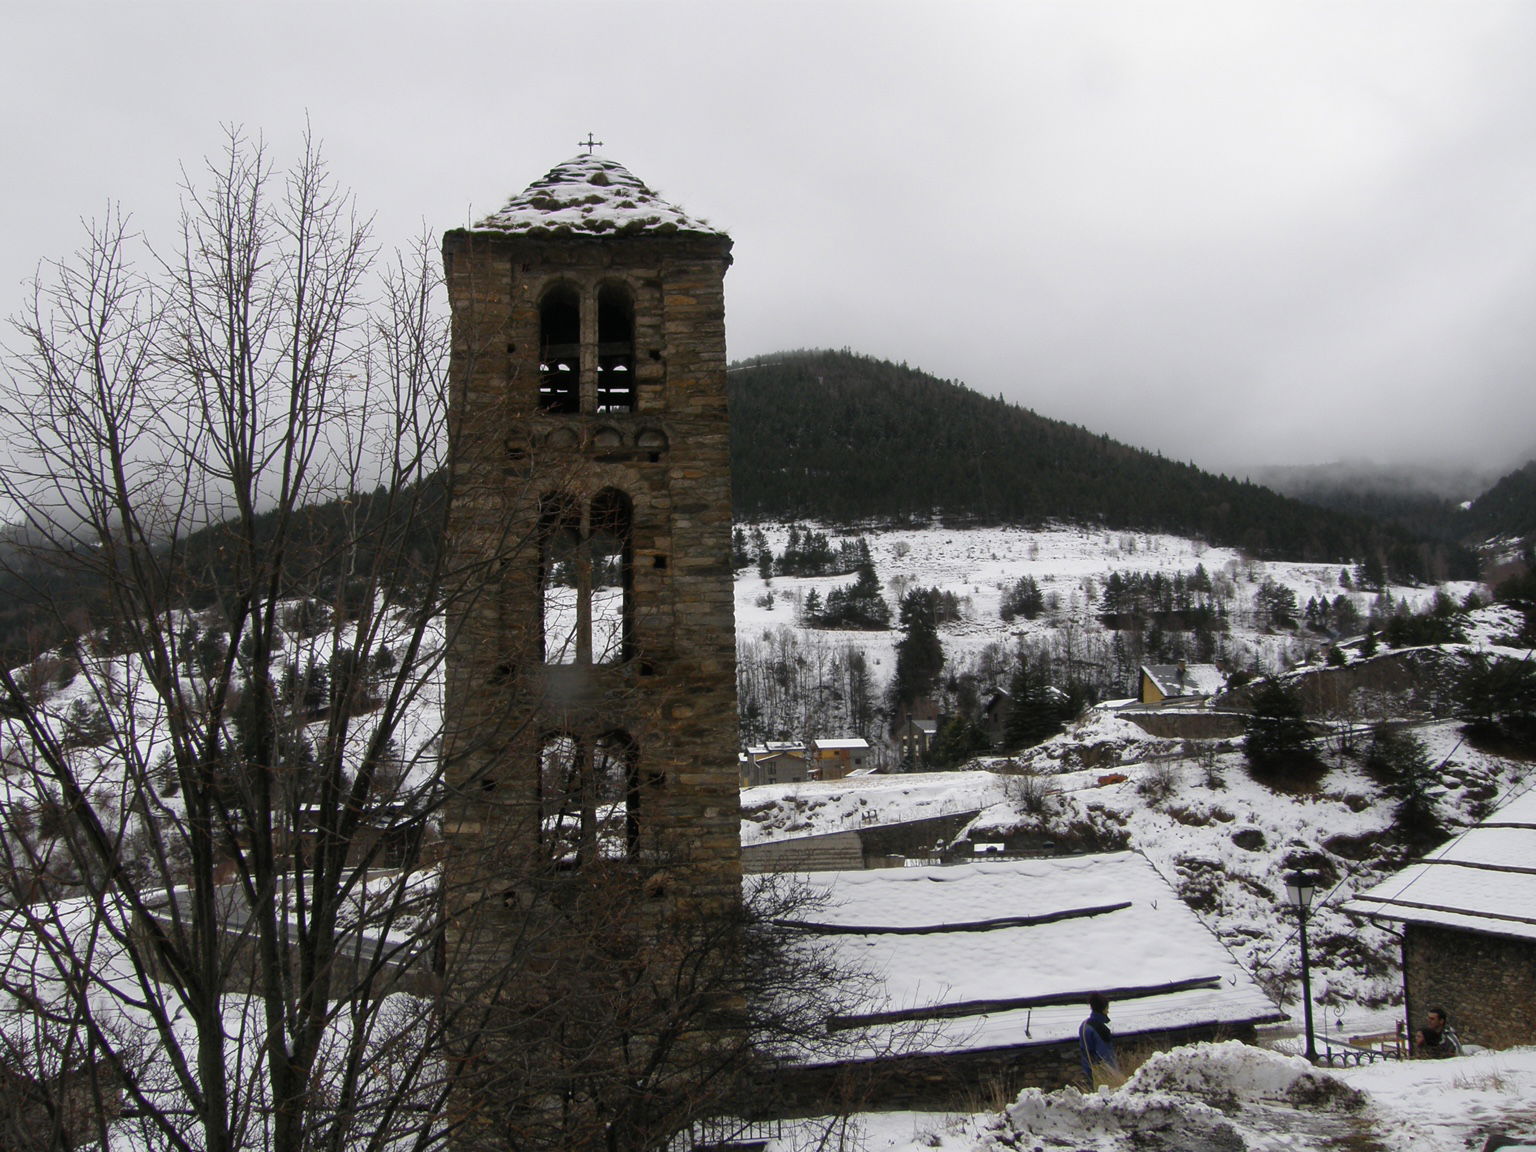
x=585 y=580
x=653 y=442
x=561 y=774
x=615 y=349
x=608 y=542
x=560 y=349
x=614 y=763
x=589 y=794
x=560 y=580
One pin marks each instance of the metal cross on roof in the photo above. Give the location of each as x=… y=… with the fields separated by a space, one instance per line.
x=589 y=144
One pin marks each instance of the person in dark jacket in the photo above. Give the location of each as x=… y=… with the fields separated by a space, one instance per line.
x=1436 y=1040
x=1095 y=1042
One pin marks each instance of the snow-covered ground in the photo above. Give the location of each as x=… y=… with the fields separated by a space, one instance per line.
x=1227 y=1098
x=1223 y=840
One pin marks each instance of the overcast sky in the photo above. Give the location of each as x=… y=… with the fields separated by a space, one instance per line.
x=1239 y=233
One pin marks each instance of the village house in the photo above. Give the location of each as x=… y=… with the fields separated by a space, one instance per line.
x=1174 y=683
x=916 y=737
x=994 y=715
x=832 y=759
x=776 y=762
x=1468 y=918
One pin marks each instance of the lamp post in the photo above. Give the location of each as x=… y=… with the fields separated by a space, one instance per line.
x=1300 y=887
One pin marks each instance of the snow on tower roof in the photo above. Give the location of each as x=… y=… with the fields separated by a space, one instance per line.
x=594 y=195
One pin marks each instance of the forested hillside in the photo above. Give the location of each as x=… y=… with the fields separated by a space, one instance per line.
x=1508 y=509
x=1465 y=506
x=1426 y=501
x=844 y=438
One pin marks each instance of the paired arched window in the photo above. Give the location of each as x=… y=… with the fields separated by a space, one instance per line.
x=615 y=349
x=585 y=578
x=560 y=349
x=589 y=797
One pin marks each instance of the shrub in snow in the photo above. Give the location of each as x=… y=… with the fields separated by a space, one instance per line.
x=1159 y=781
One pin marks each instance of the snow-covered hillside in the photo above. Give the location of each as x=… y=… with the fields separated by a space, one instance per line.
x=1069 y=563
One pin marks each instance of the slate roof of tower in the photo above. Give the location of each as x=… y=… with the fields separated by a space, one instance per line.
x=592 y=195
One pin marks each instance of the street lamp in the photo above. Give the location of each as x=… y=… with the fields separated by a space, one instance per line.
x=1300 y=887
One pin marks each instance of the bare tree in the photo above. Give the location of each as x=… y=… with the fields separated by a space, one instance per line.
x=226 y=467
x=224 y=592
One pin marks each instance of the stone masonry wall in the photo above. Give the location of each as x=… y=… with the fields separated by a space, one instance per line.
x=676 y=694
x=956 y=1081
x=525 y=933
x=1486 y=984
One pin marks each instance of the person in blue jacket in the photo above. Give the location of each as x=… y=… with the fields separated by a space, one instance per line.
x=1095 y=1042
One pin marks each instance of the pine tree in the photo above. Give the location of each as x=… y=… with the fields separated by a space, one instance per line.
x=958 y=741
x=811 y=610
x=1276 y=735
x=1033 y=713
x=1023 y=599
x=1403 y=760
x=919 y=653
x=859 y=605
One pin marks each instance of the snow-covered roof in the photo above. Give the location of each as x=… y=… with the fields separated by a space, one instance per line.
x=851 y=743
x=592 y=194
x=1483 y=881
x=775 y=748
x=976 y=952
x=1186 y=679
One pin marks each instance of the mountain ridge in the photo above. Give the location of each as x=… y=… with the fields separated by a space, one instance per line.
x=846 y=438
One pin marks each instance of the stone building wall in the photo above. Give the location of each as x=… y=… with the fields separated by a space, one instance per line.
x=1486 y=984
x=1191 y=724
x=550 y=945
x=674 y=694
x=956 y=1081
x=1406 y=682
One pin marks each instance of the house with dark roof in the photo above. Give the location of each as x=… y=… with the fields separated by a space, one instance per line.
x=1468 y=917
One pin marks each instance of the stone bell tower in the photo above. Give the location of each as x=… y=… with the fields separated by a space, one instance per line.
x=591 y=694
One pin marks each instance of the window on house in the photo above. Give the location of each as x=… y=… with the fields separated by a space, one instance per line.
x=560 y=349
x=585 y=579
x=615 y=349
x=589 y=791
